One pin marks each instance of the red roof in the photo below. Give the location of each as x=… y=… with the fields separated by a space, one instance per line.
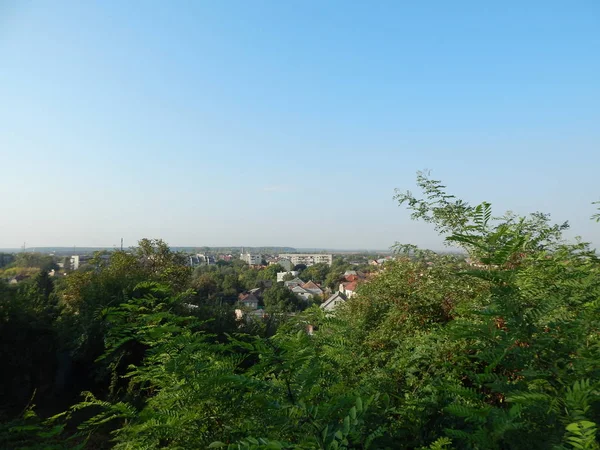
x=350 y=286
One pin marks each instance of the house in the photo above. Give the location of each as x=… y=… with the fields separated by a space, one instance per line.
x=351 y=279
x=380 y=261
x=257 y=292
x=353 y=275
x=281 y=275
x=249 y=300
x=348 y=288
x=312 y=287
x=308 y=259
x=250 y=315
x=306 y=291
x=293 y=283
x=304 y=294
x=331 y=303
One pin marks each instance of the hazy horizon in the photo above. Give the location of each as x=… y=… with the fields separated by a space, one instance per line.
x=112 y=247
x=266 y=122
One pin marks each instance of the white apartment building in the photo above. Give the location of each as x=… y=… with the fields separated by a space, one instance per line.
x=250 y=259
x=281 y=275
x=308 y=259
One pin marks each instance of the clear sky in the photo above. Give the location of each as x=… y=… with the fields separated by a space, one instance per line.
x=290 y=122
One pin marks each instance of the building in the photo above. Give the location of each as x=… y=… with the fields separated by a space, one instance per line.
x=293 y=283
x=200 y=259
x=79 y=260
x=255 y=314
x=348 y=288
x=331 y=303
x=353 y=275
x=281 y=275
x=304 y=294
x=312 y=287
x=308 y=259
x=305 y=291
x=249 y=300
x=250 y=259
x=380 y=261
x=285 y=263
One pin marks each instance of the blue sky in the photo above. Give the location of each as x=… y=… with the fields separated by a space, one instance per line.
x=290 y=123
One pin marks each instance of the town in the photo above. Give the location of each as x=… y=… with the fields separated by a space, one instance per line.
x=324 y=279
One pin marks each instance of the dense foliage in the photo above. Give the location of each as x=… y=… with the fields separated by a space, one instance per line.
x=499 y=350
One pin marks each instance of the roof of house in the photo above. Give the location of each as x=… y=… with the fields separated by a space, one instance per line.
x=300 y=290
x=353 y=275
x=311 y=285
x=248 y=298
x=350 y=286
x=333 y=298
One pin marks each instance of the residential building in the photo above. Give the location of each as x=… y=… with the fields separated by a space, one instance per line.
x=257 y=292
x=305 y=291
x=380 y=261
x=353 y=275
x=200 y=259
x=250 y=315
x=331 y=303
x=285 y=263
x=251 y=259
x=293 y=283
x=281 y=275
x=348 y=288
x=249 y=300
x=79 y=260
x=308 y=259
x=312 y=287
x=304 y=294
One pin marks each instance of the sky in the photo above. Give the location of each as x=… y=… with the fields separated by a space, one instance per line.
x=290 y=122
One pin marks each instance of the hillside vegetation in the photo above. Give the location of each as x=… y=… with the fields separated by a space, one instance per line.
x=499 y=351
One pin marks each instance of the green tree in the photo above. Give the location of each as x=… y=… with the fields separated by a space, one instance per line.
x=278 y=298
x=270 y=272
x=316 y=272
